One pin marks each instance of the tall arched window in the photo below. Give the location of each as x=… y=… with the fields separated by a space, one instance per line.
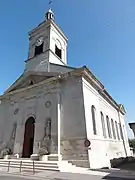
x=58 y=49
x=108 y=127
x=121 y=132
x=103 y=124
x=93 y=112
x=118 y=135
x=113 y=129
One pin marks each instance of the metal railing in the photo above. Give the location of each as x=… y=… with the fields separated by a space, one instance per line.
x=20 y=164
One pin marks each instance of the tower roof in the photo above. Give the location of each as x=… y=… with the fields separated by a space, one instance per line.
x=49 y=15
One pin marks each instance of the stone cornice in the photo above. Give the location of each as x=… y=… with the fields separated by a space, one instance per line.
x=89 y=76
x=47 y=50
x=44 y=24
x=53 y=80
x=58 y=29
x=81 y=72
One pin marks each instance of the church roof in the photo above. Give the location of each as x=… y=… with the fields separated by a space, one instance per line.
x=22 y=79
x=83 y=71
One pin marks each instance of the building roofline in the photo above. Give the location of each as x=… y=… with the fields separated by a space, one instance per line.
x=25 y=75
x=101 y=89
x=83 y=71
x=64 y=66
x=130 y=124
x=47 y=23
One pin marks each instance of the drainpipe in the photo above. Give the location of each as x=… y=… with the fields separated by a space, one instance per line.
x=59 y=121
x=122 y=132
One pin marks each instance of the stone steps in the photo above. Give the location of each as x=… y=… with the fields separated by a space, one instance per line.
x=52 y=163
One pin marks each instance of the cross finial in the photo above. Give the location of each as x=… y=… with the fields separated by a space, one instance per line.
x=49 y=15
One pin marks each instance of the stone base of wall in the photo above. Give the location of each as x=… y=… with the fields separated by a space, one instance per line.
x=73 y=150
x=80 y=163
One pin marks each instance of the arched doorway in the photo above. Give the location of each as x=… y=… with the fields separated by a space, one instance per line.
x=28 y=137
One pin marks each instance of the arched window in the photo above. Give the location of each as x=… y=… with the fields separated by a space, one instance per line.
x=93 y=112
x=118 y=135
x=121 y=131
x=113 y=129
x=39 y=49
x=31 y=82
x=108 y=127
x=58 y=49
x=103 y=124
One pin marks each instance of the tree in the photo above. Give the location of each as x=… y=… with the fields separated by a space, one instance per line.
x=132 y=143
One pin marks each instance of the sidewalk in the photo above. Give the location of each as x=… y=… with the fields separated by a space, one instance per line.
x=55 y=175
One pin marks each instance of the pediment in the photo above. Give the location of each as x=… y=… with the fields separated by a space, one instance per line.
x=122 y=108
x=29 y=79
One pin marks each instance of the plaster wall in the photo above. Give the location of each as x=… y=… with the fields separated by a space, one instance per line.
x=29 y=103
x=102 y=149
x=73 y=130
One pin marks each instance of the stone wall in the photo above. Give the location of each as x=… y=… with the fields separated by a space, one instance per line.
x=73 y=129
x=36 y=102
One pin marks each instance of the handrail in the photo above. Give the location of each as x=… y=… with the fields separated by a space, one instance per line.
x=8 y=166
x=20 y=164
x=33 y=168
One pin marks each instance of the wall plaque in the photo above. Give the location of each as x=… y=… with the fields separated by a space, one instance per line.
x=87 y=143
x=47 y=104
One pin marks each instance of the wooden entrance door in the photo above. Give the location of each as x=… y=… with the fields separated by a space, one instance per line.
x=28 y=138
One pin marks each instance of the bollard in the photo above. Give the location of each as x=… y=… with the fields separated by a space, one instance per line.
x=33 y=168
x=20 y=166
x=8 y=166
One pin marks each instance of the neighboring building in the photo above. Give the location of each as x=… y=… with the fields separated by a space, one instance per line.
x=132 y=126
x=63 y=109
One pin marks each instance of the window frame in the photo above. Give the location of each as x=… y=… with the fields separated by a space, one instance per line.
x=117 y=130
x=108 y=127
x=93 y=113
x=103 y=124
x=113 y=128
x=121 y=132
x=36 y=53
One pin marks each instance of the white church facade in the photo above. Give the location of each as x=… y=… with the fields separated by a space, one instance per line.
x=62 y=109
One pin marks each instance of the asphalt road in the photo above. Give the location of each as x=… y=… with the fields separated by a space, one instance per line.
x=78 y=177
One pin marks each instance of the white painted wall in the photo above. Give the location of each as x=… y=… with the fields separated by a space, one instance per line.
x=102 y=150
x=54 y=59
x=55 y=35
x=50 y=34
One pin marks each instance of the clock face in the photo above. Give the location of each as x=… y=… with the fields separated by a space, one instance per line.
x=39 y=41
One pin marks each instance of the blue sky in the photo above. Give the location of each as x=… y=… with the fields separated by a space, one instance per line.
x=101 y=35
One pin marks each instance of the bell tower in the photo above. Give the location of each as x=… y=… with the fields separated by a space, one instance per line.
x=47 y=44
